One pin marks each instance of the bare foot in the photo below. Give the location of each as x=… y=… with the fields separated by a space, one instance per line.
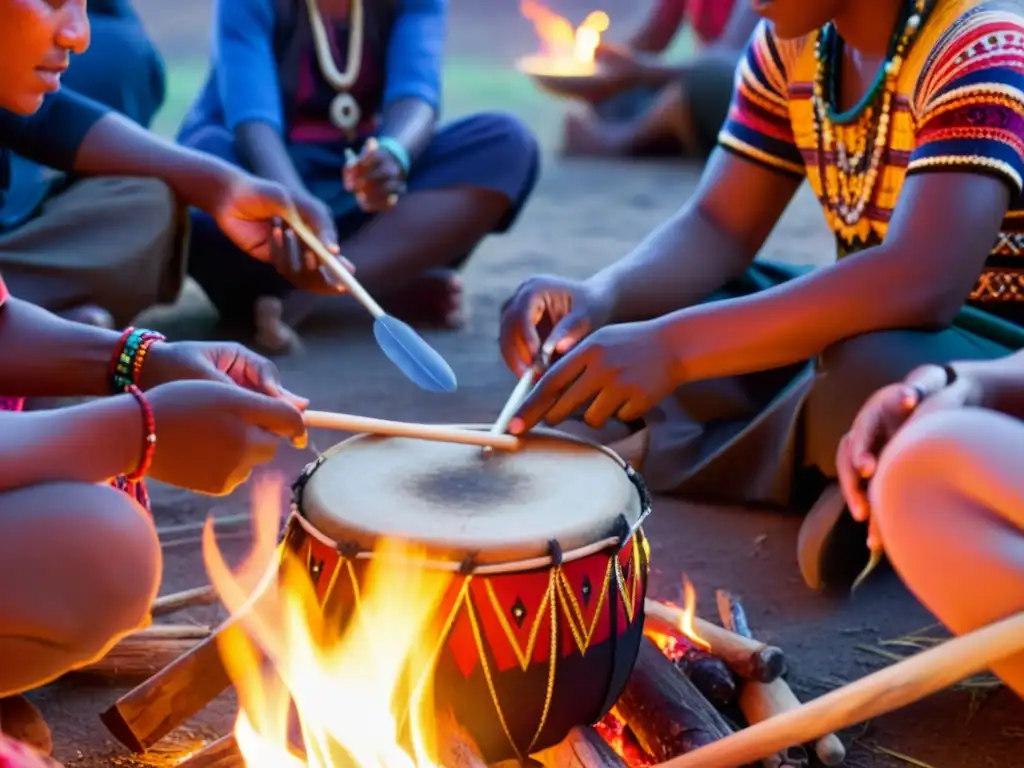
x=89 y=314
x=273 y=335
x=20 y=720
x=433 y=300
x=585 y=135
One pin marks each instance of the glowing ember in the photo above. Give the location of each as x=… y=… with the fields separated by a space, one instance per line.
x=613 y=729
x=363 y=695
x=565 y=50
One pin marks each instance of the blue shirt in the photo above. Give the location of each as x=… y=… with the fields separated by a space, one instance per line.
x=244 y=83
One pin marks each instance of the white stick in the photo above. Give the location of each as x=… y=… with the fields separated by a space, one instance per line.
x=442 y=434
x=515 y=400
x=891 y=688
x=331 y=263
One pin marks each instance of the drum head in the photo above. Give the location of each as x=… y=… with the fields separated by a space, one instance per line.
x=458 y=503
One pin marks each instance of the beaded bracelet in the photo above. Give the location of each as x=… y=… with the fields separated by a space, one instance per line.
x=149 y=436
x=126 y=365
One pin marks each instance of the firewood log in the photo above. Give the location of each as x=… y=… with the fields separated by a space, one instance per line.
x=582 y=748
x=664 y=710
x=222 y=753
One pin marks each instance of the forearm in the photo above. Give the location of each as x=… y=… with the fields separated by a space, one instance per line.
x=1000 y=383
x=799 y=319
x=88 y=443
x=264 y=152
x=410 y=122
x=679 y=264
x=116 y=146
x=45 y=356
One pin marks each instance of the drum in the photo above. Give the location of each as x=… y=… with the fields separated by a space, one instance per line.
x=541 y=625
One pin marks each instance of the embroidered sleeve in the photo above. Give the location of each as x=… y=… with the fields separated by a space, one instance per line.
x=758 y=126
x=970 y=100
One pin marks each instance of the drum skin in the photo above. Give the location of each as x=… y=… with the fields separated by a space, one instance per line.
x=524 y=656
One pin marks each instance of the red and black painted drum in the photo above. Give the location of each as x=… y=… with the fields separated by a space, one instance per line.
x=542 y=621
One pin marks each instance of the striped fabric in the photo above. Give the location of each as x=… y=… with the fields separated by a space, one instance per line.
x=959 y=106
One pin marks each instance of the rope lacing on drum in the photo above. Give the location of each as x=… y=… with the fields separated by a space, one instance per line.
x=468 y=565
x=555 y=552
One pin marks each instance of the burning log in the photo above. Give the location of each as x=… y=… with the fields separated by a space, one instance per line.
x=761 y=701
x=582 y=748
x=154 y=708
x=664 y=710
x=711 y=676
x=746 y=657
x=222 y=753
x=177 y=601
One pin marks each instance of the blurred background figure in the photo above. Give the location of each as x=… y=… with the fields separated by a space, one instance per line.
x=122 y=70
x=662 y=108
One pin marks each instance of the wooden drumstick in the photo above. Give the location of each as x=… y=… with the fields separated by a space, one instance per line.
x=436 y=432
x=883 y=691
x=761 y=701
x=520 y=393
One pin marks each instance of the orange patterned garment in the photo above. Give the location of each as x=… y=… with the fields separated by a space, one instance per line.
x=958 y=106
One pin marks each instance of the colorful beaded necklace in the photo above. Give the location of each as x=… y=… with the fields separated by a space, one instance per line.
x=856 y=167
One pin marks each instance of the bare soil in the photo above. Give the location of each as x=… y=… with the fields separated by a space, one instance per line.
x=584 y=215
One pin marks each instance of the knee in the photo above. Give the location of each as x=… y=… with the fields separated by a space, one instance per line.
x=117 y=573
x=926 y=464
x=152 y=202
x=508 y=139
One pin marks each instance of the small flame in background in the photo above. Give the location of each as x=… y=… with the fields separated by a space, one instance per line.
x=352 y=691
x=567 y=49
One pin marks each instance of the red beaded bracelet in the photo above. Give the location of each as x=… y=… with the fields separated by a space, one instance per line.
x=149 y=437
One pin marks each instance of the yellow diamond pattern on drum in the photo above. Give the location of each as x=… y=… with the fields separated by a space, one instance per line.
x=574 y=613
x=525 y=654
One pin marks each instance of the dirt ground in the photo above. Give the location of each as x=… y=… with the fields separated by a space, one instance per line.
x=584 y=215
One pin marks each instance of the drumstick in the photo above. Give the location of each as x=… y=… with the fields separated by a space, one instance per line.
x=439 y=433
x=520 y=392
x=895 y=686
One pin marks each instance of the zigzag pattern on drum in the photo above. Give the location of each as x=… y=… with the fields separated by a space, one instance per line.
x=486 y=623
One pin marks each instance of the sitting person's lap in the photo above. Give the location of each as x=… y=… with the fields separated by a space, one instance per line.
x=491 y=151
x=80 y=599
x=948 y=501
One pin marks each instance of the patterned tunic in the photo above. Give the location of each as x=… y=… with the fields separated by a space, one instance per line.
x=959 y=106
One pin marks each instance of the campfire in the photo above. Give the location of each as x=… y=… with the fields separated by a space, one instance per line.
x=566 y=50
x=318 y=693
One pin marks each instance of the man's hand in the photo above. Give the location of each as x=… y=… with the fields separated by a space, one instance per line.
x=223 y=362
x=375 y=177
x=253 y=211
x=619 y=371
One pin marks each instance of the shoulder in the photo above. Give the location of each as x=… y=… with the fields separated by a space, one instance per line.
x=247 y=11
x=774 y=60
x=971 y=43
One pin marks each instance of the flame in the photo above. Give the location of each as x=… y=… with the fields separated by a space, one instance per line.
x=357 y=691
x=689 y=612
x=566 y=48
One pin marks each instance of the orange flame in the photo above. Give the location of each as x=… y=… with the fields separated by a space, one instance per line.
x=352 y=689
x=566 y=48
x=689 y=612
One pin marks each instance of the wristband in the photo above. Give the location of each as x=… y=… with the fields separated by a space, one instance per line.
x=149 y=434
x=126 y=364
x=394 y=147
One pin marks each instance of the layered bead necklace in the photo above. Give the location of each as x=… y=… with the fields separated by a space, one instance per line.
x=856 y=140
x=344 y=110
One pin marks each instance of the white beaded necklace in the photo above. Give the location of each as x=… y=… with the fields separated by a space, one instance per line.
x=344 y=112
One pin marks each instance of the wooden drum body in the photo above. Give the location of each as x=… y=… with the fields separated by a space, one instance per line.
x=542 y=621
